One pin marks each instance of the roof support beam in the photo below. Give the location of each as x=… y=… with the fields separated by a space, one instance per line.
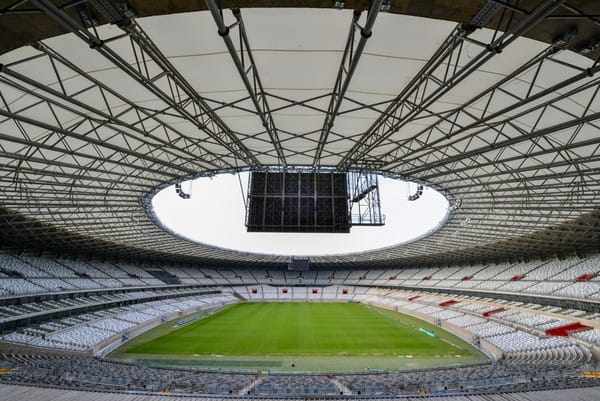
x=20 y=176
x=533 y=133
x=499 y=171
x=79 y=155
x=183 y=98
x=484 y=121
x=190 y=146
x=102 y=119
x=97 y=142
x=439 y=75
x=248 y=73
x=344 y=76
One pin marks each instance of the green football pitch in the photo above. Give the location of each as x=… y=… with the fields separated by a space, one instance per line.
x=311 y=336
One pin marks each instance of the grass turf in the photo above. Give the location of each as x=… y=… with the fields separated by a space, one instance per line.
x=305 y=329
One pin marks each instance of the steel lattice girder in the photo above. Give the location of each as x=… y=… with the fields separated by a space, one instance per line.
x=439 y=75
x=253 y=83
x=84 y=169
x=183 y=99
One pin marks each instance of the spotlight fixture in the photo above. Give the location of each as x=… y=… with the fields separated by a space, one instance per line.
x=339 y=4
x=589 y=48
x=180 y=192
x=455 y=204
x=417 y=194
x=565 y=38
x=87 y=18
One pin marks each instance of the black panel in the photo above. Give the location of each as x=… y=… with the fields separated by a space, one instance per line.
x=256 y=214
x=273 y=211
x=340 y=211
x=298 y=202
x=324 y=187
x=274 y=184
x=307 y=211
x=292 y=184
x=258 y=183
x=290 y=211
x=307 y=184
x=339 y=184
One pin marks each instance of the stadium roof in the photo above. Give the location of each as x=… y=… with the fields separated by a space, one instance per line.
x=499 y=109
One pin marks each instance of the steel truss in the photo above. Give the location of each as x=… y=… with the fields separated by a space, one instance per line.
x=351 y=56
x=249 y=74
x=365 y=204
x=182 y=97
x=145 y=126
x=446 y=69
x=519 y=160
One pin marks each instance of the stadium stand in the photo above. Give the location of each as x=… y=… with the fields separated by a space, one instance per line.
x=492 y=105
x=297 y=385
x=29 y=275
x=515 y=334
x=86 y=331
x=16 y=393
x=516 y=330
x=84 y=372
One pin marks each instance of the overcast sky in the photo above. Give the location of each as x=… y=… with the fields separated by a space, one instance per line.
x=215 y=215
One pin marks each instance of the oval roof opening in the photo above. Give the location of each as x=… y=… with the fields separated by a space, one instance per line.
x=214 y=215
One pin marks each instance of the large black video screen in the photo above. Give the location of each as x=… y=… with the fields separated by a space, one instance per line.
x=298 y=202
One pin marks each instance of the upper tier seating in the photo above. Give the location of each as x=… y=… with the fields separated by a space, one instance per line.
x=23 y=274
